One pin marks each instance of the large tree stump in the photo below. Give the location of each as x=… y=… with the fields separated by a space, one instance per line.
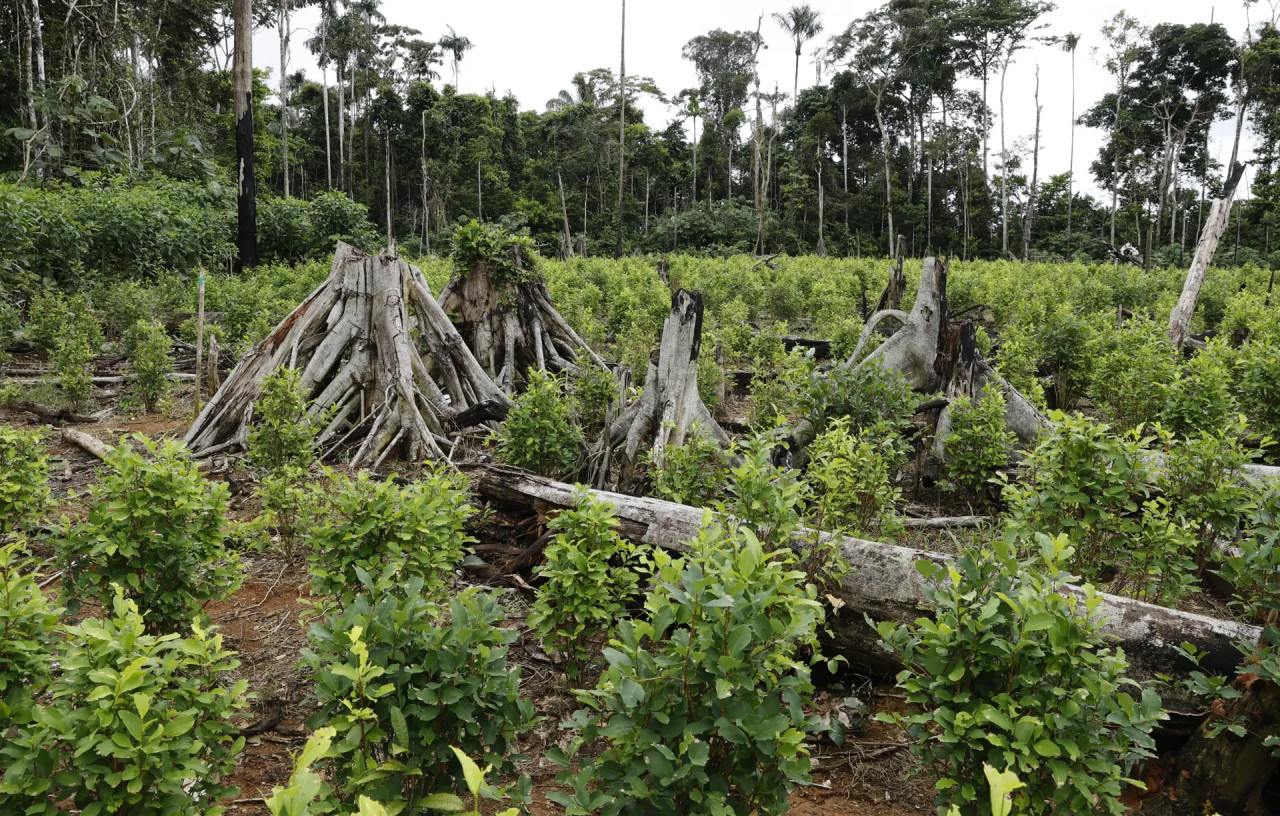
x=511 y=325
x=380 y=389
x=670 y=408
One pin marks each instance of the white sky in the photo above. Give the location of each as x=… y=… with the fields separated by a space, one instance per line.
x=533 y=49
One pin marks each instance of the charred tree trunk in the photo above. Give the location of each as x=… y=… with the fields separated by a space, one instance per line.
x=670 y=409
x=885 y=585
x=381 y=393
x=1227 y=773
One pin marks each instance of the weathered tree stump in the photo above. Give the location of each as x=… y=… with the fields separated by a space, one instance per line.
x=380 y=388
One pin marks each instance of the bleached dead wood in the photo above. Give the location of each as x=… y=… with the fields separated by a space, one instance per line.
x=886 y=586
x=86 y=442
x=382 y=387
x=1214 y=225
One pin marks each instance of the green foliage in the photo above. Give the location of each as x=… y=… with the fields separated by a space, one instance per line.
x=24 y=478
x=702 y=705
x=777 y=384
x=1016 y=359
x=877 y=403
x=155 y=529
x=539 y=433
x=849 y=480
x=507 y=257
x=766 y=499
x=593 y=390
x=400 y=681
x=136 y=723
x=414 y=531
x=1134 y=375
x=1201 y=399
x=55 y=319
x=9 y=322
x=1259 y=387
x=1084 y=482
x=283 y=432
x=978 y=443
x=288 y=511
x=1011 y=674
x=149 y=358
x=73 y=359
x=28 y=636
x=589 y=578
x=690 y=473
x=292 y=229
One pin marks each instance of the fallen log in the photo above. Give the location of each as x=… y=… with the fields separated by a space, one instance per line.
x=50 y=414
x=89 y=444
x=886 y=586
x=947 y=522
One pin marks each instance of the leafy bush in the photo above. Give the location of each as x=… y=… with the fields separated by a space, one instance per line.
x=149 y=358
x=978 y=443
x=539 y=433
x=401 y=682
x=28 y=636
x=1082 y=481
x=283 y=433
x=767 y=499
x=702 y=705
x=155 y=529
x=55 y=319
x=73 y=359
x=1201 y=399
x=1011 y=674
x=1134 y=375
x=589 y=577
x=24 y=478
x=508 y=257
x=137 y=724
x=876 y=402
x=288 y=511
x=415 y=531
x=9 y=322
x=1259 y=386
x=776 y=387
x=849 y=479
x=690 y=473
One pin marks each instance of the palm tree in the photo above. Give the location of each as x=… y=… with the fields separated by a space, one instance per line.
x=458 y=46
x=319 y=46
x=803 y=24
x=1069 y=43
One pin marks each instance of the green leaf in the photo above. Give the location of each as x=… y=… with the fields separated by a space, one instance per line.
x=470 y=771
x=444 y=802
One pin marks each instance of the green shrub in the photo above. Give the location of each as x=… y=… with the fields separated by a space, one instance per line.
x=154 y=528
x=401 y=682
x=849 y=480
x=589 y=578
x=149 y=358
x=28 y=636
x=776 y=387
x=877 y=403
x=416 y=531
x=592 y=390
x=1259 y=386
x=1012 y=674
x=978 y=444
x=137 y=724
x=690 y=473
x=1085 y=482
x=1017 y=358
x=1134 y=376
x=288 y=511
x=73 y=359
x=508 y=257
x=701 y=707
x=767 y=499
x=55 y=319
x=24 y=478
x=1201 y=399
x=9 y=323
x=539 y=433
x=283 y=433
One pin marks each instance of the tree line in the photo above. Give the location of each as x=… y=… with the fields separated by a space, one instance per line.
x=903 y=134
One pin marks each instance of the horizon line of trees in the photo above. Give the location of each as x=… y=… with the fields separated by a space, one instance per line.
x=892 y=142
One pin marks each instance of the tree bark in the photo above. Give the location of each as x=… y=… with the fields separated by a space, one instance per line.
x=246 y=183
x=885 y=585
x=283 y=23
x=1029 y=217
x=622 y=131
x=1228 y=771
x=1214 y=226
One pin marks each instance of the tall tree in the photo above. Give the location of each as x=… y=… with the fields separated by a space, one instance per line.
x=458 y=46
x=622 y=131
x=246 y=185
x=1029 y=212
x=282 y=27
x=802 y=23
x=1124 y=37
x=1069 y=44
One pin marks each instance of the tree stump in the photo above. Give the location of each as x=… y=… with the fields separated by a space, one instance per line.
x=381 y=390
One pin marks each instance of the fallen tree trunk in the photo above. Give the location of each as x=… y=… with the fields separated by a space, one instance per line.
x=947 y=522
x=89 y=444
x=1214 y=225
x=886 y=586
x=362 y=368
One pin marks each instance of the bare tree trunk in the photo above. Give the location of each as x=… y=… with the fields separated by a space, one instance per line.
x=1029 y=216
x=342 y=125
x=888 y=178
x=1004 y=169
x=1071 y=161
x=282 y=20
x=566 y=245
x=246 y=184
x=622 y=129
x=324 y=93
x=1215 y=225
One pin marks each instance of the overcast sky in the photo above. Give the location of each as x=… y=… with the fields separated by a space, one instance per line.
x=533 y=49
